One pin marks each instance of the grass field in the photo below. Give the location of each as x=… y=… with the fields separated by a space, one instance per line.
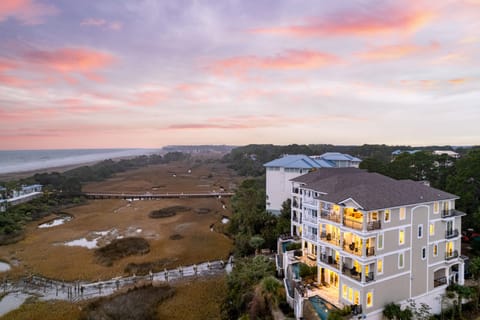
x=43 y=250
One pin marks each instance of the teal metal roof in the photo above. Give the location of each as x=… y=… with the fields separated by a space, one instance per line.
x=298 y=161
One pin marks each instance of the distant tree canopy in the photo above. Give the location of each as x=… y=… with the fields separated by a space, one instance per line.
x=248 y=160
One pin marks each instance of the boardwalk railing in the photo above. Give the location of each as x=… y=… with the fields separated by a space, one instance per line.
x=51 y=289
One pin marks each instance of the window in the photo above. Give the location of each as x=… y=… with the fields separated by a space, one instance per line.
x=401 y=237
x=436 y=207
x=379 y=266
x=387 y=215
x=344 y=290
x=350 y=294
x=401 y=262
x=356 y=297
x=435 y=250
x=432 y=229
x=424 y=253
x=369 y=299
x=380 y=241
x=420 y=231
x=403 y=213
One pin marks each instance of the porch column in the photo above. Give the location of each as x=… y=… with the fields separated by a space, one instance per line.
x=364 y=247
x=364 y=221
x=362 y=280
x=461 y=273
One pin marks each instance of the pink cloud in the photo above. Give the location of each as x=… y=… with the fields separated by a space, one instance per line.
x=26 y=11
x=291 y=59
x=95 y=22
x=148 y=98
x=396 y=51
x=378 y=20
x=69 y=62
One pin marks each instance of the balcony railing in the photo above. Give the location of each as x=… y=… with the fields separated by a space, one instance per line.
x=330 y=260
x=374 y=225
x=309 y=218
x=328 y=238
x=370 y=251
x=351 y=248
x=451 y=234
x=335 y=217
x=310 y=236
x=353 y=223
x=439 y=282
x=451 y=255
x=352 y=273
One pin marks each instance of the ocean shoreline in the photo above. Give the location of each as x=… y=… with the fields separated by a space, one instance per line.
x=20 y=174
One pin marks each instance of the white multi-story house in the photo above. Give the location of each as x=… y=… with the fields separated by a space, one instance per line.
x=374 y=239
x=280 y=171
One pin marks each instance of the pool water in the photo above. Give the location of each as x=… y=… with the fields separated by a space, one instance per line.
x=284 y=246
x=321 y=306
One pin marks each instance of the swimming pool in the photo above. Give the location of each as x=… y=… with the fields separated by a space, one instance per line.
x=296 y=270
x=284 y=245
x=321 y=306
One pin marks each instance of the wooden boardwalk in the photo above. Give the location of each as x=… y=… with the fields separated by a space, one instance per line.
x=153 y=196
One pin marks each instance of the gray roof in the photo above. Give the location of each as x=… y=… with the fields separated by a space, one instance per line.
x=372 y=191
x=298 y=161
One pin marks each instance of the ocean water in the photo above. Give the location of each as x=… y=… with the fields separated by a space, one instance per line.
x=28 y=160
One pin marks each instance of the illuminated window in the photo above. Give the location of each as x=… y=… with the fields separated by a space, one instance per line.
x=420 y=231
x=350 y=294
x=403 y=213
x=387 y=215
x=432 y=229
x=401 y=262
x=356 y=297
x=449 y=248
x=435 y=250
x=435 y=207
x=380 y=266
x=369 y=299
x=344 y=290
x=401 y=237
x=380 y=241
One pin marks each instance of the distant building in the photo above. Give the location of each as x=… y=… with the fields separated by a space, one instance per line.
x=340 y=160
x=280 y=171
x=399 y=152
x=23 y=194
x=374 y=240
x=449 y=153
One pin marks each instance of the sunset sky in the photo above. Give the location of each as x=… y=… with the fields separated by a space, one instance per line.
x=112 y=73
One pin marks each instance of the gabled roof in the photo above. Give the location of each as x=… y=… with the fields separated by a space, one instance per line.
x=337 y=156
x=372 y=191
x=298 y=161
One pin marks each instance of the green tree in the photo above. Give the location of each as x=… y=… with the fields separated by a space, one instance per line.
x=256 y=242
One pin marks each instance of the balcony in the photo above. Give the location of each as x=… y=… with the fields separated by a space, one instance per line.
x=353 y=274
x=353 y=223
x=327 y=237
x=451 y=213
x=351 y=248
x=449 y=234
x=330 y=260
x=310 y=219
x=374 y=225
x=296 y=219
x=451 y=255
x=335 y=217
x=311 y=236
